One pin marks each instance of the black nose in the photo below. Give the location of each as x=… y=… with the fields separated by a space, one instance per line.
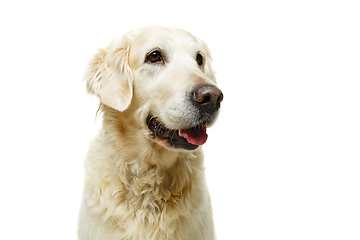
x=207 y=98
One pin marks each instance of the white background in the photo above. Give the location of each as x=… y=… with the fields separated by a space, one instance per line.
x=283 y=159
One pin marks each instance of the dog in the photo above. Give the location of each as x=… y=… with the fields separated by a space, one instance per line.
x=144 y=171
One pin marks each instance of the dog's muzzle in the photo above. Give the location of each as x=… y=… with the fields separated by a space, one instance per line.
x=206 y=100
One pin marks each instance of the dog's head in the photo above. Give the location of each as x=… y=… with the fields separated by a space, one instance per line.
x=166 y=75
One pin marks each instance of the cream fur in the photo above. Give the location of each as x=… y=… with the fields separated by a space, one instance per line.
x=137 y=187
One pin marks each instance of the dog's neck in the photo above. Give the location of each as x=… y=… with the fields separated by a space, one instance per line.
x=133 y=172
x=141 y=159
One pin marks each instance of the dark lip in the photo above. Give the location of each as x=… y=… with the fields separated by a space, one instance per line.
x=171 y=136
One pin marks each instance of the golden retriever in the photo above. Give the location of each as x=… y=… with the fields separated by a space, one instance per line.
x=144 y=172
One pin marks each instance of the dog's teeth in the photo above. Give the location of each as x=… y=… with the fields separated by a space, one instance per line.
x=180 y=134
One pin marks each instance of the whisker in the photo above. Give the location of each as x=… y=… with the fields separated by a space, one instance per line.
x=173 y=135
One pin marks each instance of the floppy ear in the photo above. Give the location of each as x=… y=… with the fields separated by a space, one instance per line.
x=109 y=75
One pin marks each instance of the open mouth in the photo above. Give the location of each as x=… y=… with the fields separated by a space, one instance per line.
x=189 y=138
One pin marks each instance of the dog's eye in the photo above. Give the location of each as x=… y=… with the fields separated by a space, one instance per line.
x=154 y=57
x=199 y=59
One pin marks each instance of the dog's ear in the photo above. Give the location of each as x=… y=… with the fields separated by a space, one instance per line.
x=109 y=75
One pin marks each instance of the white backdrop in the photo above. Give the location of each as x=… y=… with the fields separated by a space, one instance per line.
x=283 y=159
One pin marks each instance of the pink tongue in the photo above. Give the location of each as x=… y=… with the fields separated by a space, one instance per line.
x=195 y=135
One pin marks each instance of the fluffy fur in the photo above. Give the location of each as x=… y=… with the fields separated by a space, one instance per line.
x=136 y=186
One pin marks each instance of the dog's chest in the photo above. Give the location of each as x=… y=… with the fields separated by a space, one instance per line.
x=152 y=205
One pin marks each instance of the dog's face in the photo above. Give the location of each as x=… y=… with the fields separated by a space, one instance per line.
x=165 y=74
